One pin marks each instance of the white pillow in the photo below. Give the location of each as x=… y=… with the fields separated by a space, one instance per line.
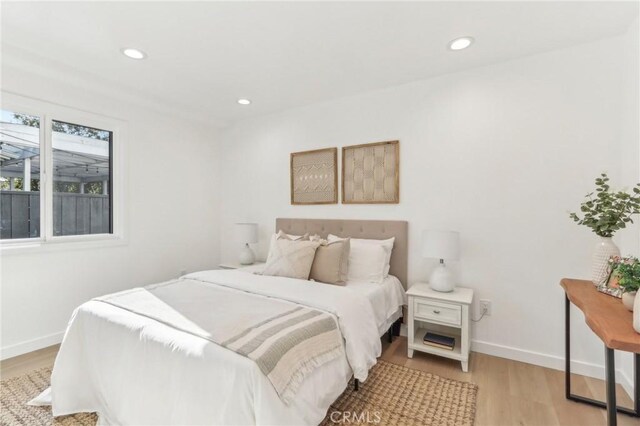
x=282 y=234
x=367 y=263
x=387 y=245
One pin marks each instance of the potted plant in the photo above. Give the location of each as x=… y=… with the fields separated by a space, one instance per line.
x=627 y=272
x=605 y=212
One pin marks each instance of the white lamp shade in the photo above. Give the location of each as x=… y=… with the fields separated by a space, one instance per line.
x=247 y=232
x=441 y=244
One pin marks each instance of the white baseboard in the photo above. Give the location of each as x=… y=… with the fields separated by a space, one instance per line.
x=545 y=360
x=625 y=381
x=403 y=330
x=30 y=345
x=550 y=361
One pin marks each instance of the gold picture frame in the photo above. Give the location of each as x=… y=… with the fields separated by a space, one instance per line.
x=371 y=173
x=314 y=177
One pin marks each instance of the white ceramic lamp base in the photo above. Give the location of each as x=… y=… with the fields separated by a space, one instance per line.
x=442 y=279
x=246 y=256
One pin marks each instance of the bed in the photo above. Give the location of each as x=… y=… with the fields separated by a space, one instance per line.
x=152 y=355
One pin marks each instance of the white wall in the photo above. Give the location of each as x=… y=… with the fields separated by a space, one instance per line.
x=500 y=153
x=630 y=136
x=630 y=150
x=172 y=219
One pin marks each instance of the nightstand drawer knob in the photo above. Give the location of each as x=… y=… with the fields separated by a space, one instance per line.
x=436 y=312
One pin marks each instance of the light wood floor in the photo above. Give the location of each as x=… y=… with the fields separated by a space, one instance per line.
x=510 y=392
x=515 y=393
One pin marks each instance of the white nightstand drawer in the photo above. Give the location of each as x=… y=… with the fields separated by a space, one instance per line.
x=438 y=311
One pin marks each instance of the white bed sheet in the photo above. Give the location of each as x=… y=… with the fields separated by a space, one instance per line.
x=135 y=370
x=387 y=298
x=138 y=386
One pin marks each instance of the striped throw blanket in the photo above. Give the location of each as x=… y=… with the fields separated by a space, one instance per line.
x=286 y=341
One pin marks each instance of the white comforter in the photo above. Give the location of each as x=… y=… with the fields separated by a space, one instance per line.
x=137 y=371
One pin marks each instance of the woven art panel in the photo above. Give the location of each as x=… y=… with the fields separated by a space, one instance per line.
x=370 y=173
x=314 y=177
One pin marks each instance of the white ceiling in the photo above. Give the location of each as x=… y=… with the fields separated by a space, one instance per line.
x=204 y=56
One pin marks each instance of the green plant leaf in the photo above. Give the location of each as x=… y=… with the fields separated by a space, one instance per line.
x=610 y=210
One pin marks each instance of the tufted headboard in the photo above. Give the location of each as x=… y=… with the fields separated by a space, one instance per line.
x=374 y=229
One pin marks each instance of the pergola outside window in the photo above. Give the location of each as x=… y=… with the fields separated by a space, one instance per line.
x=81 y=171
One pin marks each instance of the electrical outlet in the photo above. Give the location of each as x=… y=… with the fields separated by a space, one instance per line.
x=485 y=307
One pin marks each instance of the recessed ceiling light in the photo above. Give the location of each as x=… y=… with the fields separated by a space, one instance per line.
x=460 y=43
x=133 y=53
x=244 y=101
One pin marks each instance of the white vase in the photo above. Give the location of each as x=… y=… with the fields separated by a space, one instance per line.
x=636 y=313
x=628 y=299
x=600 y=260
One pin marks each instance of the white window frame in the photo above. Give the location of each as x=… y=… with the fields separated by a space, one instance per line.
x=48 y=112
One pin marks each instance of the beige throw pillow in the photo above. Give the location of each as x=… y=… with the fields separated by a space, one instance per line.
x=291 y=259
x=281 y=235
x=331 y=263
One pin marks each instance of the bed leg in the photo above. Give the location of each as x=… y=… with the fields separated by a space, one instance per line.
x=396 y=326
x=356 y=385
x=390 y=334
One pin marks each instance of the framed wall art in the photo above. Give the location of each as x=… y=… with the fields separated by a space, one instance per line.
x=314 y=176
x=371 y=173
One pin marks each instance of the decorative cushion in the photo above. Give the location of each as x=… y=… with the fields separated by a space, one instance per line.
x=386 y=244
x=282 y=235
x=367 y=263
x=331 y=263
x=291 y=259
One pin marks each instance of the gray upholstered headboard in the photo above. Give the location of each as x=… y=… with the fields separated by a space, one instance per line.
x=375 y=229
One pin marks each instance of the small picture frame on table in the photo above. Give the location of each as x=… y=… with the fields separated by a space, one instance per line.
x=611 y=286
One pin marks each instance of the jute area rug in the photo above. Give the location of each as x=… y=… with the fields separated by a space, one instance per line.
x=393 y=395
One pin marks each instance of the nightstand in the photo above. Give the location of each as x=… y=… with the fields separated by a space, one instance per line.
x=442 y=313
x=236 y=265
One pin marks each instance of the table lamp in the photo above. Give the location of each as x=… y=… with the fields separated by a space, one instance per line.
x=247 y=234
x=443 y=245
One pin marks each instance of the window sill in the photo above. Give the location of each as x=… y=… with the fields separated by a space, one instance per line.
x=71 y=242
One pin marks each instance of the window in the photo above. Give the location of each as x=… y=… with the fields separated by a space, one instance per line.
x=19 y=175
x=81 y=177
x=58 y=178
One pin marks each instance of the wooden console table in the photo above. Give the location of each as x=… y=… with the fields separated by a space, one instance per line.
x=613 y=324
